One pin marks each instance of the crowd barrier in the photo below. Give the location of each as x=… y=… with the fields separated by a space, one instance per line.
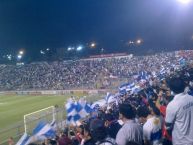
x=57 y=92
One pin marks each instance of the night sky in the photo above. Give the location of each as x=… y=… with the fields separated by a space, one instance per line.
x=39 y=24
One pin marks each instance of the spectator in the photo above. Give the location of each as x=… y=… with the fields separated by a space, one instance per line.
x=130 y=131
x=142 y=113
x=99 y=133
x=112 y=125
x=64 y=140
x=131 y=143
x=87 y=139
x=152 y=129
x=10 y=141
x=179 y=112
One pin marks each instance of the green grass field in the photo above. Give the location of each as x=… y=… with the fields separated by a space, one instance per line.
x=13 y=108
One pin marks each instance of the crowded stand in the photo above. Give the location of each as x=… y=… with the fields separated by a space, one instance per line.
x=93 y=73
x=154 y=108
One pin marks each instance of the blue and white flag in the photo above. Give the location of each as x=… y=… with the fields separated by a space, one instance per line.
x=44 y=129
x=123 y=88
x=162 y=71
x=100 y=103
x=130 y=86
x=108 y=96
x=182 y=61
x=24 y=140
x=77 y=111
x=70 y=109
x=136 y=89
x=143 y=75
x=112 y=99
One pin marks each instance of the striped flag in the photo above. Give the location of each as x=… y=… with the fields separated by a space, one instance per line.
x=24 y=140
x=77 y=111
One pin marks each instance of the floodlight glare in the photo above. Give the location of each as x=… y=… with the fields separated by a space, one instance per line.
x=42 y=52
x=93 y=45
x=184 y=1
x=79 y=48
x=21 y=52
x=19 y=56
x=138 y=41
x=131 y=42
x=69 y=48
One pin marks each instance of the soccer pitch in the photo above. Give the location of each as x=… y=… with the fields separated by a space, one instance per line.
x=13 y=108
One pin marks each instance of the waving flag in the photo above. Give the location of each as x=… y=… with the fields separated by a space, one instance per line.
x=77 y=110
x=123 y=88
x=96 y=105
x=24 y=140
x=130 y=86
x=42 y=131
x=112 y=99
x=182 y=61
x=162 y=71
x=108 y=96
x=143 y=75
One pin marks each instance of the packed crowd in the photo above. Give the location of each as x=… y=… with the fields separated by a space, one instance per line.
x=85 y=74
x=160 y=114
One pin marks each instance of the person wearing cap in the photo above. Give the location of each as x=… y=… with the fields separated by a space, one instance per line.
x=130 y=131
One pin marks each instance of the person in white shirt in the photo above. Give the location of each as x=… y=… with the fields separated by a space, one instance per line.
x=152 y=124
x=179 y=114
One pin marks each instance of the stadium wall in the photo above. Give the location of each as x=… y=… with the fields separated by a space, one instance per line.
x=57 y=92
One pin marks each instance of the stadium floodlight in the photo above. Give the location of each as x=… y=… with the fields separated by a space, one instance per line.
x=79 y=48
x=42 y=52
x=184 y=1
x=92 y=45
x=21 y=52
x=139 y=41
x=19 y=56
x=131 y=42
x=69 y=49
